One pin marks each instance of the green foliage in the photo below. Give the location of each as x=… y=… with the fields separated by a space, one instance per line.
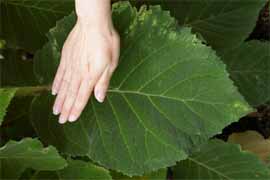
x=24 y=23
x=15 y=157
x=219 y=160
x=76 y=169
x=155 y=175
x=223 y=24
x=141 y=112
x=169 y=95
x=6 y=96
x=16 y=124
x=249 y=67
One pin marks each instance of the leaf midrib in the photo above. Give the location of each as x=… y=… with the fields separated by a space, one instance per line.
x=160 y=96
x=208 y=168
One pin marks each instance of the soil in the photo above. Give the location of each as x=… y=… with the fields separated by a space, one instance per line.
x=262 y=29
x=260 y=120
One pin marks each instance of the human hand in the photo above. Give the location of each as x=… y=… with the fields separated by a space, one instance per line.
x=89 y=57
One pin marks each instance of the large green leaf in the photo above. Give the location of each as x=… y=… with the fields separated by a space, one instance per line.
x=15 y=157
x=223 y=23
x=169 y=93
x=25 y=22
x=219 y=160
x=6 y=96
x=249 y=67
x=76 y=169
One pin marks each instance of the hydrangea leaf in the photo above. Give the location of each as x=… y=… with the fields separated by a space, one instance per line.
x=220 y=160
x=249 y=67
x=169 y=94
x=16 y=157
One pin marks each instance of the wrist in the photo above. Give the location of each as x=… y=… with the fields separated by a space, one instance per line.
x=93 y=11
x=98 y=26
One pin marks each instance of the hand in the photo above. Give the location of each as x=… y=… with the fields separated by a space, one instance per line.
x=89 y=57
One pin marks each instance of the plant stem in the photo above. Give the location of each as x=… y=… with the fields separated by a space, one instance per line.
x=31 y=90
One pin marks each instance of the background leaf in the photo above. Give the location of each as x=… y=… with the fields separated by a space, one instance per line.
x=6 y=96
x=156 y=175
x=223 y=23
x=24 y=23
x=15 y=157
x=16 y=124
x=76 y=169
x=219 y=160
x=164 y=98
x=249 y=67
x=16 y=69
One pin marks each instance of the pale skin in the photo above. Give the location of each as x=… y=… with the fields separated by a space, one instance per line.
x=88 y=59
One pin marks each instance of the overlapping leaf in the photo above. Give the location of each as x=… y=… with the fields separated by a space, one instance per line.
x=15 y=157
x=223 y=23
x=156 y=175
x=169 y=93
x=6 y=96
x=249 y=67
x=219 y=160
x=24 y=22
x=16 y=124
x=76 y=169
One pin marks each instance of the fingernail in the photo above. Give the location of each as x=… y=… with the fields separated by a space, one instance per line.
x=56 y=111
x=62 y=120
x=72 y=118
x=54 y=92
x=100 y=97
